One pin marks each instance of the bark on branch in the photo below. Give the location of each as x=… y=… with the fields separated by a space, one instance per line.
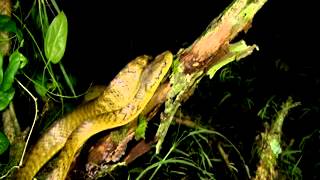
x=211 y=51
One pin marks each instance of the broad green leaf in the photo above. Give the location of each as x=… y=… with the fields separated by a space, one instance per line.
x=4 y=143
x=1 y=71
x=56 y=38
x=10 y=73
x=5 y=98
x=7 y=25
x=16 y=61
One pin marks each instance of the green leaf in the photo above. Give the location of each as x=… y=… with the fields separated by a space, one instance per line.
x=5 y=98
x=10 y=73
x=16 y=61
x=41 y=86
x=1 y=71
x=141 y=129
x=7 y=25
x=56 y=38
x=41 y=90
x=23 y=60
x=4 y=143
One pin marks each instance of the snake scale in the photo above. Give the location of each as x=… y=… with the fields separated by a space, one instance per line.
x=120 y=103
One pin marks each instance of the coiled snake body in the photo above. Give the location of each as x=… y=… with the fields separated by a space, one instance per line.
x=120 y=103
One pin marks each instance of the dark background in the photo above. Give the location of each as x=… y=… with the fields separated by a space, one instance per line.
x=104 y=37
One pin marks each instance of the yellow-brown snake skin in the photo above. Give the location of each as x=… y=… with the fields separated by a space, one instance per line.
x=120 y=103
x=56 y=136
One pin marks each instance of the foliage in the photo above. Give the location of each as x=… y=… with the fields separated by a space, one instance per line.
x=8 y=25
x=22 y=63
x=56 y=38
x=16 y=61
x=4 y=143
x=141 y=129
x=238 y=103
x=189 y=150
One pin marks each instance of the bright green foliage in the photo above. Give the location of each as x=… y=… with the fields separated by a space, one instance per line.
x=16 y=62
x=41 y=85
x=56 y=38
x=141 y=129
x=55 y=44
x=4 y=143
x=8 y=25
x=237 y=50
x=5 y=98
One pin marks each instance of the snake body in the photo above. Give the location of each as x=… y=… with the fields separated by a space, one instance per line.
x=116 y=95
x=150 y=80
x=120 y=103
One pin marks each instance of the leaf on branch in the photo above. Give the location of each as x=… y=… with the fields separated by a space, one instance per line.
x=16 y=61
x=56 y=38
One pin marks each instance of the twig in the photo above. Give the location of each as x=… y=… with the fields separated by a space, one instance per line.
x=270 y=147
x=34 y=120
x=210 y=50
x=225 y=157
x=29 y=135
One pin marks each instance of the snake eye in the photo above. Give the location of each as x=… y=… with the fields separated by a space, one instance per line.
x=143 y=60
